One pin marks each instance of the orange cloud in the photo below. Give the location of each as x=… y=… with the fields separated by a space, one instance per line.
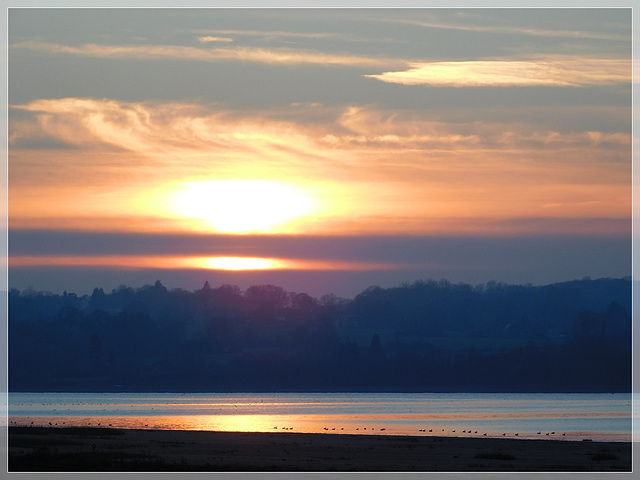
x=362 y=166
x=194 y=262
x=209 y=38
x=554 y=71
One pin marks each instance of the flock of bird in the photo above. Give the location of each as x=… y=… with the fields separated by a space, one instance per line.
x=424 y=430
x=371 y=429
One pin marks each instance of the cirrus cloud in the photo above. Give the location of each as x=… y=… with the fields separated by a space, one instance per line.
x=279 y=56
x=209 y=38
x=517 y=30
x=563 y=72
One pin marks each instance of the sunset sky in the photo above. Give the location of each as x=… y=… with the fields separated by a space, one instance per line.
x=322 y=150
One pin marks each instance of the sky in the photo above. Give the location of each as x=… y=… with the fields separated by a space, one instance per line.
x=322 y=150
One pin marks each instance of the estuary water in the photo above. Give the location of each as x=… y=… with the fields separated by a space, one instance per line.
x=597 y=417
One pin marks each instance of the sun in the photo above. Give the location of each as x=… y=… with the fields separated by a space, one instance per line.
x=241 y=206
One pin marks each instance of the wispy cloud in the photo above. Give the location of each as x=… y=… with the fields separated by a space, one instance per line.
x=487 y=27
x=146 y=126
x=366 y=167
x=280 y=56
x=504 y=72
x=375 y=128
x=271 y=33
x=555 y=71
x=154 y=128
x=209 y=38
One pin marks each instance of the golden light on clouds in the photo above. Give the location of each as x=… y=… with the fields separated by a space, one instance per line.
x=155 y=262
x=195 y=262
x=275 y=56
x=284 y=142
x=544 y=70
x=507 y=72
x=189 y=167
x=209 y=38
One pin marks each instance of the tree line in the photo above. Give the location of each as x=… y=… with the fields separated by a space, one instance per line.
x=425 y=336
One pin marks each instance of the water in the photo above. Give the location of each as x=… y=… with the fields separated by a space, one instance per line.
x=599 y=417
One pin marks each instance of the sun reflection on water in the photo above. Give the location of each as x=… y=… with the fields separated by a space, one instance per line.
x=592 y=418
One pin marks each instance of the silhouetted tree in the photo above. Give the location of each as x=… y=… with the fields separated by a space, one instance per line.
x=427 y=335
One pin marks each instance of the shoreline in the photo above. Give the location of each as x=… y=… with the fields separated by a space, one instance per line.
x=96 y=449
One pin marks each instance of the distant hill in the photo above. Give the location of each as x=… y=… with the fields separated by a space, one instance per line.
x=425 y=336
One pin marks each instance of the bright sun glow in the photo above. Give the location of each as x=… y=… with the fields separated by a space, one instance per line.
x=239 y=206
x=239 y=263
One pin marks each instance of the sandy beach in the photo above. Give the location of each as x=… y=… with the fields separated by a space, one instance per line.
x=39 y=449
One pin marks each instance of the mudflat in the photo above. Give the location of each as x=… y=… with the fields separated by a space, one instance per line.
x=87 y=449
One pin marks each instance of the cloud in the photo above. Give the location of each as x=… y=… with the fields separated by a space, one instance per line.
x=370 y=170
x=163 y=262
x=279 y=56
x=536 y=32
x=152 y=128
x=77 y=260
x=371 y=127
x=208 y=38
x=363 y=249
x=271 y=33
x=555 y=71
x=541 y=71
x=358 y=139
